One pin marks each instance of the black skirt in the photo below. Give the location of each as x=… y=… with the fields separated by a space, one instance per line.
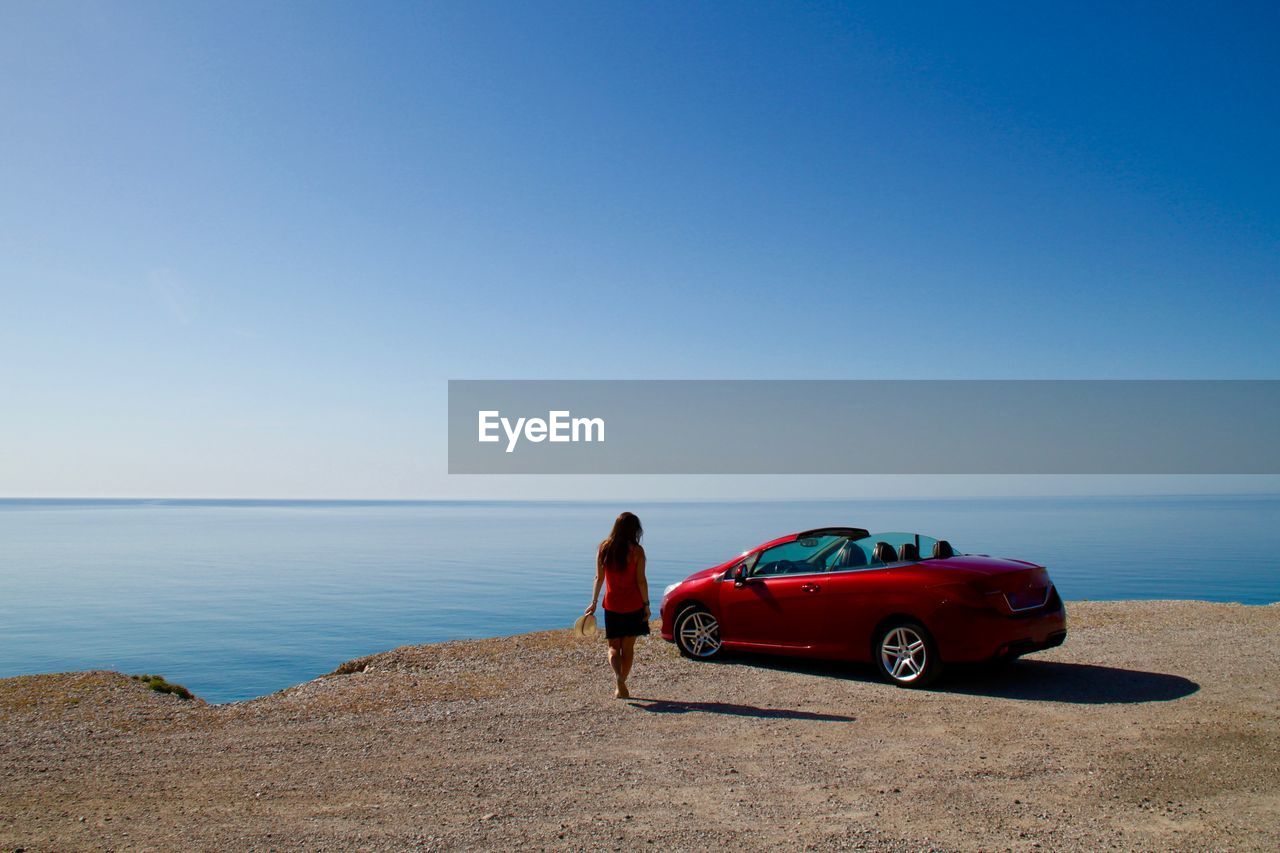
x=633 y=624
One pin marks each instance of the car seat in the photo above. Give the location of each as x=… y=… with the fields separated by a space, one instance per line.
x=884 y=553
x=849 y=557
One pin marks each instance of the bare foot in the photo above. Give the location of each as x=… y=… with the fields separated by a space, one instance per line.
x=621 y=692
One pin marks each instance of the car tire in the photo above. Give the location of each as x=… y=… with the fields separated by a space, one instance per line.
x=697 y=633
x=904 y=655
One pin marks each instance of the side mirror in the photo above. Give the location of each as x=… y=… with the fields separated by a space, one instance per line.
x=739 y=574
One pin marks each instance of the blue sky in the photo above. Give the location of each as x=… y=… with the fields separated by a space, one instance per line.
x=243 y=246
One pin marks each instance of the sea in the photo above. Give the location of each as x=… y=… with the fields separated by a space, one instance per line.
x=238 y=599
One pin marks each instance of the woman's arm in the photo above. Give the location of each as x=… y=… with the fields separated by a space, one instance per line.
x=595 y=592
x=643 y=582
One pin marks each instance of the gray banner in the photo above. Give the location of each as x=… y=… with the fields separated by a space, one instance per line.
x=864 y=427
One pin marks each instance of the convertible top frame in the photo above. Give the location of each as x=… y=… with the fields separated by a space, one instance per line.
x=851 y=532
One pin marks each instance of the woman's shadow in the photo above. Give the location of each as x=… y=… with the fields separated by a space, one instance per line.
x=666 y=706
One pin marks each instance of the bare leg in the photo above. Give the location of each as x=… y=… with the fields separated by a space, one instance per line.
x=615 y=661
x=628 y=656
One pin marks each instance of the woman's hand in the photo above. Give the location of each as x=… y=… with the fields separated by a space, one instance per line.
x=591 y=608
x=647 y=614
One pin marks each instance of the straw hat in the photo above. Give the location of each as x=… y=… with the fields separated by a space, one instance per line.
x=585 y=626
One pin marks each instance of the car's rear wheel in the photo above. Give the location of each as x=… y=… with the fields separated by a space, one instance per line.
x=906 y=656
x=697 y=634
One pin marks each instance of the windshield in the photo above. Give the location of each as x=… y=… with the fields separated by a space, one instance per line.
x=800 y=556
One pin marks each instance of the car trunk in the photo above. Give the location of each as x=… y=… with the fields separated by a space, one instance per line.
x=1012 y=586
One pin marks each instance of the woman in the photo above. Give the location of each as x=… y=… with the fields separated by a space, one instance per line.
x=620 y=568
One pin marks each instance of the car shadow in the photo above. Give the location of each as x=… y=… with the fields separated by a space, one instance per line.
x=667 y=706
x=1059 y=681
x=1025 y=680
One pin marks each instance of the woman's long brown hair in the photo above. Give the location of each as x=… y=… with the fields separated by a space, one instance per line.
x=626 y=532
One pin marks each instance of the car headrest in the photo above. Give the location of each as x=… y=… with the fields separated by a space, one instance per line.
x=884 y=553
x=942 y=549
x=908 y=551
x=850 y=557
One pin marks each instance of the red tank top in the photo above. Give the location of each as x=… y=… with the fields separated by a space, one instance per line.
x=621 y=589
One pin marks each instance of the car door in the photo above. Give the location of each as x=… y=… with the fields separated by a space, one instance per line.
x=780 y=612
x=778 y=604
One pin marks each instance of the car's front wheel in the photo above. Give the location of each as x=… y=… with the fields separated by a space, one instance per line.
x=906 y=656
x=697 y=633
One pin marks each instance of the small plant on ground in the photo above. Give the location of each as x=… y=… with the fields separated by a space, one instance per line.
x=158 y=684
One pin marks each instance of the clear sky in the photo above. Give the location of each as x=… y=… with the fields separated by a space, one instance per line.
x=243 y=246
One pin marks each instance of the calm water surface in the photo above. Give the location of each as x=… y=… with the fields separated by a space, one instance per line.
x=236 y=599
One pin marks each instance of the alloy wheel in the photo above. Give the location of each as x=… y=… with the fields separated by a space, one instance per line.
x=904 y=654
x=699 y=634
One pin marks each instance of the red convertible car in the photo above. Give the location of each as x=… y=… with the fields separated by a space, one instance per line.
x=905 y=602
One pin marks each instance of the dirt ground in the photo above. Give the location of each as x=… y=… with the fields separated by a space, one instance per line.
x=1156 y=726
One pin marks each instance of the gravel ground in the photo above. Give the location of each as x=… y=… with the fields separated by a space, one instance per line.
x=1154 y=727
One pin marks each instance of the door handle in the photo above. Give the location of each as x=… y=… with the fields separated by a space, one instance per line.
x=810 y=587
